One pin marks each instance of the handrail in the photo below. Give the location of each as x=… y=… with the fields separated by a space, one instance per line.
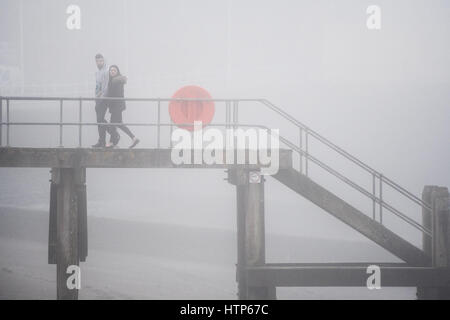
x=358 y=188
x=346 y=154
x=232 y=121
x=319 y=137
x=123 y=99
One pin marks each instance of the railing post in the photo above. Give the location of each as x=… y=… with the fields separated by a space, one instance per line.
x=227 y=113
x=233 y=110
x=374 y=197
x=301 y=149
x=80 y=120
x=7 y=122
x=158 y=132
x=235 y=113
x=381 y=198
x=60 y=123
x=170 y=135
x=1 y=121
x=307 y=150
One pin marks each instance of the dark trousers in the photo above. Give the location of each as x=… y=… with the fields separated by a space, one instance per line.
x=116 y=117
x=100 y=108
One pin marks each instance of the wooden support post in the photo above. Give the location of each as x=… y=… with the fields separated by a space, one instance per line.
x=438 y=245
x=67 y=232
x=52 y=234
x=426 y=219
x=80 y=175
x=441 y=239
x=240 y=267
x=250 y=231
x=441 y=242
x=67 y=239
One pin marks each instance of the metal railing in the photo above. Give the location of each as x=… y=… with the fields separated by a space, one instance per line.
x=375 y=174
x=232 y=120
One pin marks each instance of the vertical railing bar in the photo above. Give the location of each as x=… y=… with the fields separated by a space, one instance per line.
x=227 y=113
x=60 y=123
x=301 y=149
x=381 y=198
x=234 y=114
x=170 y=138
x=80 y=127
x=236 y=120
x=230 y=112
x=7 y=122
x=159 y=124
x=1 y=121
x=237 y=112
x=374 y=197
x=306 y=151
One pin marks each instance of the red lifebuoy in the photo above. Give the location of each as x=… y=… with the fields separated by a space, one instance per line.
x=188 y=112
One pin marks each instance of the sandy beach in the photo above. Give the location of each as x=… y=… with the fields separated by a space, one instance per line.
x=131 y=260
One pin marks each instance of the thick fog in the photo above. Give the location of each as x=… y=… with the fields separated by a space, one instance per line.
x=381 y=95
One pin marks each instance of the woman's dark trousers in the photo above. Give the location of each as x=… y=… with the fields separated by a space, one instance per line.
x=116 y=117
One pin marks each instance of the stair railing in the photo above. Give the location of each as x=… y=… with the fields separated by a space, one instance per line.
x=303 y=151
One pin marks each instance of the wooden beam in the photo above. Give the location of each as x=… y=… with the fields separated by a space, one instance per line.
x=111 y=158
x=320 y=275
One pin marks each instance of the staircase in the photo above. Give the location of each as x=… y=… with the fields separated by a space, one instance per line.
x=302 y=184
x=351 y=216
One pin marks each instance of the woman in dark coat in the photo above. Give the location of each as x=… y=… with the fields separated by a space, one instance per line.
x=116 y=90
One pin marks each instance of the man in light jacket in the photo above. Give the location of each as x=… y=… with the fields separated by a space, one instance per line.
x=101 y=106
